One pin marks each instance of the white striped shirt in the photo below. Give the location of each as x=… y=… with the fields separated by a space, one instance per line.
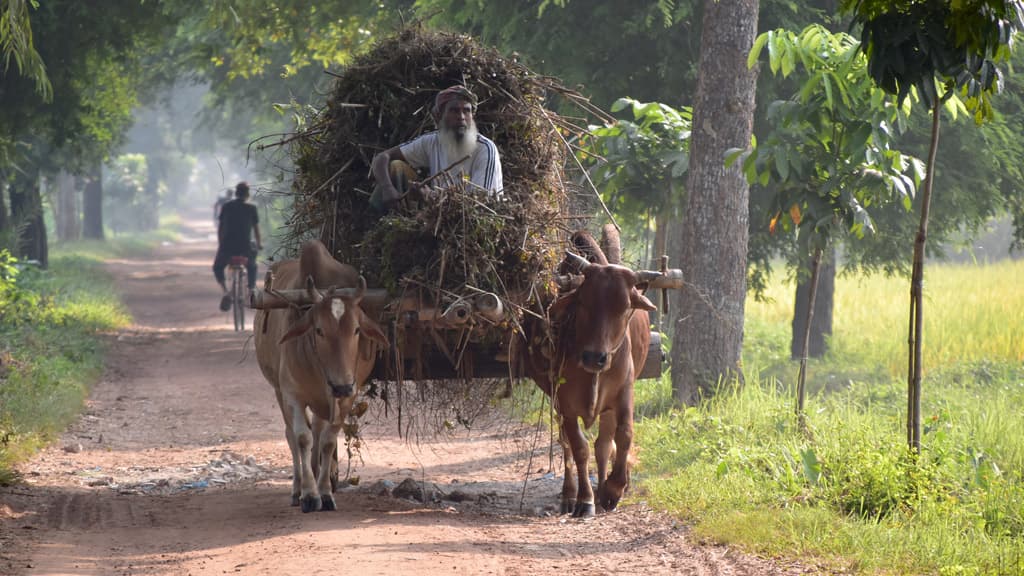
x=484 y=167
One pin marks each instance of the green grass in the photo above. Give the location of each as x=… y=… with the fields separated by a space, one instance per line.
x=122 y=246
x=849 y=495
x=52 y=345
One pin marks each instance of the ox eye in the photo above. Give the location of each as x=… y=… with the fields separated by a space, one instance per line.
x=319 y=331
x=357 y=330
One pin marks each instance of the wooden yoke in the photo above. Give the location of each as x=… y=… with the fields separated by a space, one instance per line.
x=267 y=298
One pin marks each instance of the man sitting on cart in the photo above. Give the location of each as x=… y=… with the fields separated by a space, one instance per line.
x=239 y=223
x=455 y=146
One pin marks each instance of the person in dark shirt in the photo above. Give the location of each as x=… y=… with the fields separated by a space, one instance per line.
x=221 y=201
x=239 y=223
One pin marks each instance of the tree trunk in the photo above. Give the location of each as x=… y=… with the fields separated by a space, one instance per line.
x=150 y=217
x=709 y=330
x=660 y=237
x=66 y=210
x=5 y=223
x=92 y=205
x=660 y=249
x=821 y=320
x=917 y=293
x=27 y=215
x=805 y=336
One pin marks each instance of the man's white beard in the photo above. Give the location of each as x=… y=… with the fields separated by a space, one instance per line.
x=456 y=148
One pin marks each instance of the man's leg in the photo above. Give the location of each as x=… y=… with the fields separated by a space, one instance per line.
x=251 y=269
x=220 y=262
x=401 y=174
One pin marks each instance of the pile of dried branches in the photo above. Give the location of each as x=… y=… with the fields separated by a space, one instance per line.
x=463 y=242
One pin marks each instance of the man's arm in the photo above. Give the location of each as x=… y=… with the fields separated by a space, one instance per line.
x=256 y=232
x=486 y=169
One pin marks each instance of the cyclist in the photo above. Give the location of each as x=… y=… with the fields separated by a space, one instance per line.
x=221 y=201
x=239 y=223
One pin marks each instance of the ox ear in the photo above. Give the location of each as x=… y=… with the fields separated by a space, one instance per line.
x=639 y=301
x=369 y=328
x=560 y=307
x=298 y=329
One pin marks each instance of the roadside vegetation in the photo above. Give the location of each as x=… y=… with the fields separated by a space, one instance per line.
x=846 y=493
x=52 y=343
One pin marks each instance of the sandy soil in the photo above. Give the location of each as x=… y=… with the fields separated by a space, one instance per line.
x=179 y=466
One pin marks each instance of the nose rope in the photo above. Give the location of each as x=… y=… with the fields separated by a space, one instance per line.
x=331 y=401
x=595 y=383
x=624 y=333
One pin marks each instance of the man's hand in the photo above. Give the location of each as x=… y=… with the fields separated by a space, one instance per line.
x=430 y=194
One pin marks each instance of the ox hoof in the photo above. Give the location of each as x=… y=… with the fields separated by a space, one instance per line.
x=568 y=506
x=310 y=503
x=583 y=510
x=609 y=504
x=327 y=502
x=608 y=501
x=295 y=499
x=609 y=494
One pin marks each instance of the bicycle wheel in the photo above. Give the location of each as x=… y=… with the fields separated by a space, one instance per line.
x=238 y=297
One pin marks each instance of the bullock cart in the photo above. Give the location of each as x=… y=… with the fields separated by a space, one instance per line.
x=584 y=349
x=454 y=280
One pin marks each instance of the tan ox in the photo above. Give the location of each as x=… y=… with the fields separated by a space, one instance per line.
x=602 y=334
x=316 y=358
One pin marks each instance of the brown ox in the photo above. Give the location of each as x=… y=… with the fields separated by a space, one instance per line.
x=316 y=358
x=602 y=334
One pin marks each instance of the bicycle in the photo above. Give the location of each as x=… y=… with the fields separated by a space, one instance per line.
x=239 y=284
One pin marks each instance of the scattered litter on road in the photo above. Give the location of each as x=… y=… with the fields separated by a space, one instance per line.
x=229 y=468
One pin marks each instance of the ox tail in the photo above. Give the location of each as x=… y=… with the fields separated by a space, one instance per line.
x=611 y=244
x=585 y=244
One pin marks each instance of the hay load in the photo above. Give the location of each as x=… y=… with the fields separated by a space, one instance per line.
x=462 y=243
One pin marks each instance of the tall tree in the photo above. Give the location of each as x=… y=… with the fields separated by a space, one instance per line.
x=709 y=329
x=830 y=157
x=90 y=56
x=27 y=215
x=66 y=209
x=92 y=205
x=939 y=49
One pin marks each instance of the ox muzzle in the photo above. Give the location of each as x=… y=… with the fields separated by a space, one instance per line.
x=594 y=361
x=341 y=390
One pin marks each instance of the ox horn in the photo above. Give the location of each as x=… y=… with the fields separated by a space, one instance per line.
x=579 y=261
x=314 y=295
x=568 y=282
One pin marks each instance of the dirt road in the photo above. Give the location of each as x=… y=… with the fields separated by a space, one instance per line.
x=179 y=466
